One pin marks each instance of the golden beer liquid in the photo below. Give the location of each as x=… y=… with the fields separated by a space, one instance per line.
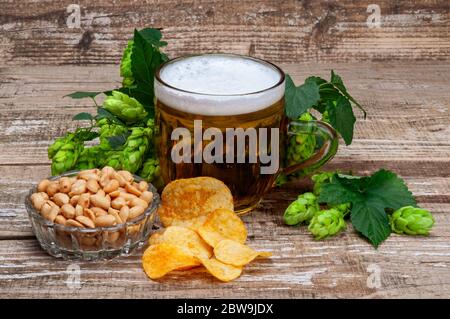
x=245 y=181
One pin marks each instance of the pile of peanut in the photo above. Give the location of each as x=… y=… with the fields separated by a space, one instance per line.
x=93 y=198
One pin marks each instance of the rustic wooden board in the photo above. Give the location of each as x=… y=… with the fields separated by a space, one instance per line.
x=407 y=131
x=36 y=32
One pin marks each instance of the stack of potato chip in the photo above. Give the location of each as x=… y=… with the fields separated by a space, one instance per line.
x=201 y=229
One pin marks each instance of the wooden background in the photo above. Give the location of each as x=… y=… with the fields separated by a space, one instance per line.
x=400 y=72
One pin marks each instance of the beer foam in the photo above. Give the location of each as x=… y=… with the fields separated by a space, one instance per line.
x=217 y=84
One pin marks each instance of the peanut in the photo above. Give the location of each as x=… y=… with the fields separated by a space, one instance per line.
x=101 y=192
x=52 y=188
x=86 y=221
x=127 y=196
x=61 y=199
x=105 y=221
x=42 y=186
x=122 y=181
x=78 y=188
x=137 y=202
x=114 y=194
x=68 y=211
x=74 y=200
x=79 y=210
x=124 y=213
x=113 y=236
x=99 y=211
x=87 y=241
x=73 y=223
x=84 y=200
x=115 y=213
x=65 y=184
x=88 y=174
x=111 y=186
x=51 y=213
x=118 y=202
x=136 y=211
x=126 y=175
x=143 y=186
x=107 y=171
x=133 y=190
x=60 y=219
x=104 y=180
x=147 y=196
x=89 y=213
x=100 y=201
x=113 y=210
x=92 y=185
x=38 y=200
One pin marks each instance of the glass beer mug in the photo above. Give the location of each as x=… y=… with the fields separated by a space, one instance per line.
x=222 y=115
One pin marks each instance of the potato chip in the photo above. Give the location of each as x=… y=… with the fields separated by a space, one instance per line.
x=185 y=238
x=162 y=258
x=220 y=270
x=187 y=202
x=223 y=224
x=156 y=238
x=233 y=253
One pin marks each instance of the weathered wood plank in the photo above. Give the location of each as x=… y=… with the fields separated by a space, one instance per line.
x=408 y=116
x=37 y=32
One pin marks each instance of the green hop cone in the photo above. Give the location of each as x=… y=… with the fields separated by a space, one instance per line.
x=135 y=148
x=300 y=146
x=411 y=221
x=64 y=153
x=326 y=223
x=125 y=66
x=343 y=208
x=151 y=170
x=89 y=158
x=113 y=159
x=321 y=179
x=126 y=108
x=301 y=210
x=108 y=129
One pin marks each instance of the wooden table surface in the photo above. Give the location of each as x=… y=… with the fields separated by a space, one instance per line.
x=407 y=130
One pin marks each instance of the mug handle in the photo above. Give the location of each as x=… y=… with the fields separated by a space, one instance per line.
x=324 y=133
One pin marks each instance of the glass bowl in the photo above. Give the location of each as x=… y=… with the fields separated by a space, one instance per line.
x=75 y=243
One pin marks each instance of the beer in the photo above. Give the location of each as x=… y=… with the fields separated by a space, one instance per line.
x=223 y=92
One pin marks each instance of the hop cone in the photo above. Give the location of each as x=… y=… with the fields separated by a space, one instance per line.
x=108 y=129
x=301 y=146
x=321 y=179
x=301 y=210
x=126 y=108
x=151 y=172
x=411 y=221
x=89 y=158
x=326 y=223
x=64 y=153
x=135 y=148
x=112 y=158
x=125 y=66
x=343 y=208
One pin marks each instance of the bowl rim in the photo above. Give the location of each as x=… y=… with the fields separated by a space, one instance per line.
x=35 y=214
